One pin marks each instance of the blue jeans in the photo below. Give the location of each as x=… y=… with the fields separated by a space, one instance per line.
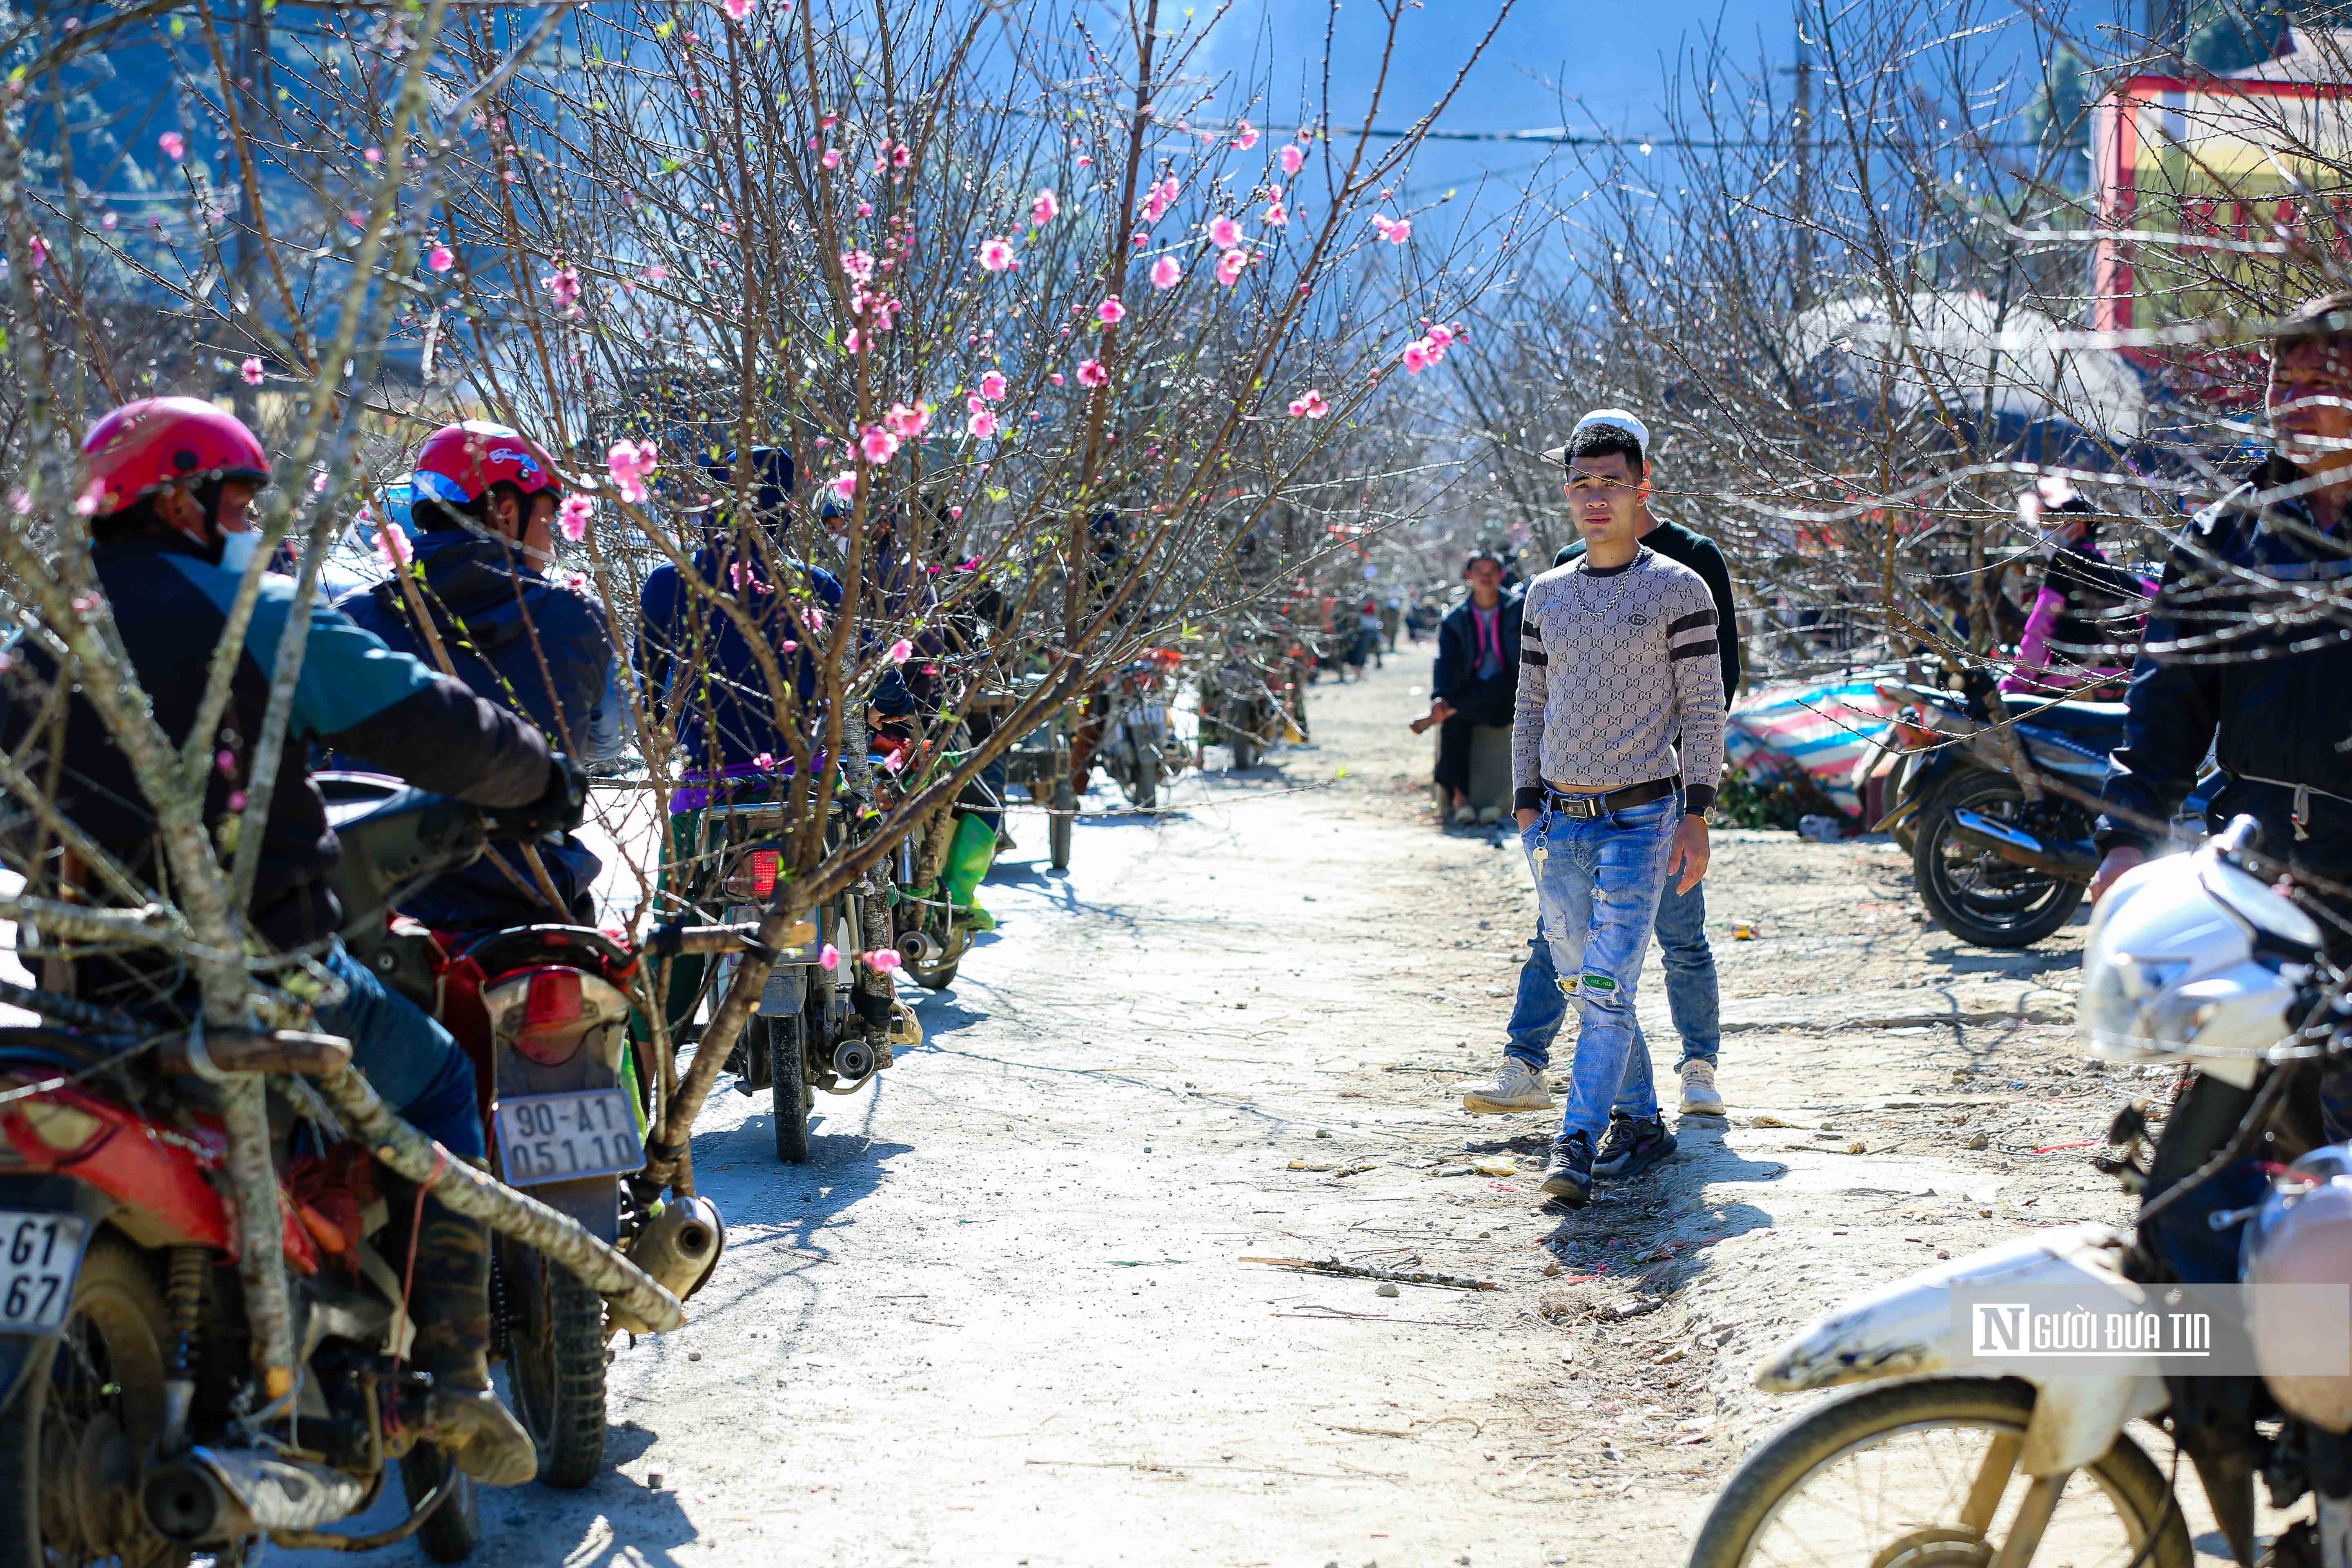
x=407 y=1057
x=1692 y=995
x=1597 y=882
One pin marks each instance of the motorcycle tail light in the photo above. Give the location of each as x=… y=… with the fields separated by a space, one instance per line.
x=65 y=1129
x=552 y=1017
x=754 y=876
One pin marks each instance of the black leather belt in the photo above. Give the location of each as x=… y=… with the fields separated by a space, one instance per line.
x=1591 y=805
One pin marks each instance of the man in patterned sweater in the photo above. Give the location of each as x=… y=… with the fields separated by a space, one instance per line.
x=1608 y=807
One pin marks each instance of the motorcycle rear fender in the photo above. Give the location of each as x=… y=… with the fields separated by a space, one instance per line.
x=1919 y=781
x=1906 y=1330
x=63 y=1194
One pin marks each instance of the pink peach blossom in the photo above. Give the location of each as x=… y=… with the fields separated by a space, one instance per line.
x=1092 y=373
x=251 y=371
x=830 y=958
x=858 y=265
x=1110 y=312
x=878 y=445
x=573 y=517
x=883 y=960
x=907 y=422
x=629 y=463
x=1225 y=232
x=996 y=255
x=992 y=385
x=1416 y=357
x=831 y=158
x=981 y=425
x=737 y=9
x=1248 y=139
x=1230 y=265
x=1294 y=158
x=392 y=545
x=1395 y=230
x=440 y=258
x=1044 y=209
x=1277 y=215
x=1165 y=273
x=901 y=650
x=844 y=485
x=175 y=145
x=1308 y=405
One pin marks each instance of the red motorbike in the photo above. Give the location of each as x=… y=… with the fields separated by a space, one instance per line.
x=133 y=1423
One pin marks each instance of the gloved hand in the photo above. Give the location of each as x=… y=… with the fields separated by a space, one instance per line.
x=559 y=809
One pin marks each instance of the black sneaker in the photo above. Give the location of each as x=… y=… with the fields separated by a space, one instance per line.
x=1568 y=1176
x=1629 y=1147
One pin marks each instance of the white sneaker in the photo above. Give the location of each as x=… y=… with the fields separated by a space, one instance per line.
x=1699 y=1097
x=1518 y=1087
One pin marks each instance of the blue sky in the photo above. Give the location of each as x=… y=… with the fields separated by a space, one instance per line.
x=1609 y=59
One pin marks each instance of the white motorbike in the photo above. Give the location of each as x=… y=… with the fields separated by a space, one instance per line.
x=1931 y=1463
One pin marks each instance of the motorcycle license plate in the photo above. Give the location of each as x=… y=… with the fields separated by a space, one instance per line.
x=560 y=1137
x=40 y=1254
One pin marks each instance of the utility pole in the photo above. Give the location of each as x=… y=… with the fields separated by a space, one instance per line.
x=1801 y=135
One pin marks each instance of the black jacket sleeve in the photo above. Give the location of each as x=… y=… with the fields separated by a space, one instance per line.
x=1710 y=566
x=2173 y=712
x=443 y=738
x=1452 y=670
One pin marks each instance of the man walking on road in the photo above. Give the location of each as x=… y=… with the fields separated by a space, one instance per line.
x=1692 y=995
x=1609 y=807
x=1475 y=679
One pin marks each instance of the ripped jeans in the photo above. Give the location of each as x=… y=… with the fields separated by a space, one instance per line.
x=1598 y=882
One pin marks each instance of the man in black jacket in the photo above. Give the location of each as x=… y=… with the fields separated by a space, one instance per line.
x=1693 y=998
x=2241 y=655
x=1475 y=679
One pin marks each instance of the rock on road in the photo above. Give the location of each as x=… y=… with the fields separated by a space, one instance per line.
x=1001 y=1317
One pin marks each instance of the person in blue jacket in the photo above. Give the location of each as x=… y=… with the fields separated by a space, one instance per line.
x=171 y=478
x=484 y=507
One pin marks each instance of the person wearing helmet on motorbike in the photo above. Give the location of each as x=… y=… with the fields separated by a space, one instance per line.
x=2239 y=659
x=483 y=505
x=171 y=482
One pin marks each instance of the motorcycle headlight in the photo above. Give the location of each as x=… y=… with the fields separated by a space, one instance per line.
x=2117 y=989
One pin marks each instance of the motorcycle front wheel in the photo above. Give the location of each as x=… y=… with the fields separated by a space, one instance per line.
x=1973 y=893
x=454 y=1528
x=1143 y=793
x=1923 y=1472
x=555 y=1363
x=84 y=1417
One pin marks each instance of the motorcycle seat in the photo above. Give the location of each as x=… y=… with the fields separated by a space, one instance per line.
x=2069 y=717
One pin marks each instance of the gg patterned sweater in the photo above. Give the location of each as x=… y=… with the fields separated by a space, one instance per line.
x=1615 y=666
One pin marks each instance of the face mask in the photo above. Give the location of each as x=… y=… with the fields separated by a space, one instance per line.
x=238 y=550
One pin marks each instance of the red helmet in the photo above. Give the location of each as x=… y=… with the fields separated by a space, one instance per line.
x=459 y=463
x=142 y=447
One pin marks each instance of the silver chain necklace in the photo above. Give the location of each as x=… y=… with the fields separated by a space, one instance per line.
x=1627 y=572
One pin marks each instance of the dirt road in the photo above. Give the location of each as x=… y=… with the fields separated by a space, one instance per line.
x=1003 y=1317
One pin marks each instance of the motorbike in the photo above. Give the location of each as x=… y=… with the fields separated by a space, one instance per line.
x=1238 y=709
x=1138 y=744
x=2192 y=959
x=819 y=1027
x=133 y=1422
x=1998 y=861
x=543 y=1012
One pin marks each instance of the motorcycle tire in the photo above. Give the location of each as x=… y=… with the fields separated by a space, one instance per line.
x=1144 y=793
x=787 y=1086
x=555 y=1364
x=1748 y=1517
x=1245 y=752
x=454 y=1528
x=1062 y=825
x=2022 y=908
x=117 y=1318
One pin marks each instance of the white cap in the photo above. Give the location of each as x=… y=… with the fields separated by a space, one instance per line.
x=1614 y=419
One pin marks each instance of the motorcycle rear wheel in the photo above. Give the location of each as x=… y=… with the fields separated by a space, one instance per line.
x=555 y=1364
x=1975 y=895
x=83 y=1421
x=1916 y=1447
x=454 y=1528
x=787 y=1085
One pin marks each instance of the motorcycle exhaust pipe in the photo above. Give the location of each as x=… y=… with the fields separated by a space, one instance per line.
x=853 y=1058
x=2073 y=862
x=916 y=947
x=680 y=1248
x=213 y=1496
